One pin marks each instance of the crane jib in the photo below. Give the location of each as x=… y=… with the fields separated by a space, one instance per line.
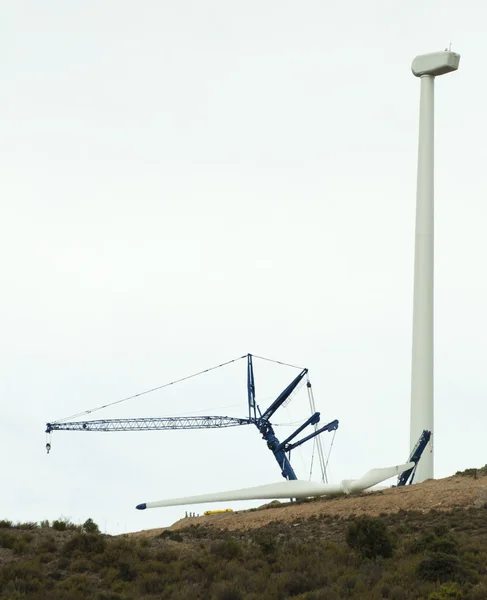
x=150 y=423
x=261 y=420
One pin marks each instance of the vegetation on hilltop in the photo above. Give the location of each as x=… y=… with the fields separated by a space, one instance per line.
x=402 y=556
x=482 y=472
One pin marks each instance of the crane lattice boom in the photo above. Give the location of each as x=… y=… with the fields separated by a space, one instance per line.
x=281 y=451
x=145 y=424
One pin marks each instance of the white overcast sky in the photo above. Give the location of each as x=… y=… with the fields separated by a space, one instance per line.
x=185 y=182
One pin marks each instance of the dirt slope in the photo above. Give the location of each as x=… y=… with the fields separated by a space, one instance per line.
x=440 y=494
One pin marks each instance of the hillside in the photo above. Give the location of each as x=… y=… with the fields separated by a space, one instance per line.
x=425 y=542
x=441 y=494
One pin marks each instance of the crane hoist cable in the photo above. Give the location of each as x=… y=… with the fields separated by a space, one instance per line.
x=155 y=389
x=318 y=446
x=165 y=385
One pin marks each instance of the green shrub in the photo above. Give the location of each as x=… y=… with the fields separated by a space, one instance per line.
x=473 y=472
x=44 y=557
x=80 y=565
x=151 y=583
x=5 y=524
x=89 y=526
x=59 y=525
x=77 y=583
x=27 y=525
x=21 y=577
x=479 y=592
x=20 y=546
x=445 y=545
x=119 y=551
x=7 y=540
x=447 y=592
x=84 y=543
x=267 y=543
x=433 y=543
x=226 y=591
x=167 y=533
x=440 y=567
x=370 y=538
x=65 y=525
x=175 y=536
x=47 y=544
x=297 y=583
x=228 y=549
x=127 y=571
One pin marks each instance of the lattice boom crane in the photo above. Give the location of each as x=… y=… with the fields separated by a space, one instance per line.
x=261 y=420
x=149 y=423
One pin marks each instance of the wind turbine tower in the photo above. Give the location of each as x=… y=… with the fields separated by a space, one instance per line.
x=427 y=67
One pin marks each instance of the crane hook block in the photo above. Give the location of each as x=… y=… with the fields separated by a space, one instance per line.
x=48 y=447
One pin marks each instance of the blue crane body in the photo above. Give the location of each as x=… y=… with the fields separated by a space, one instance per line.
x=419 y=448
x=281 y=450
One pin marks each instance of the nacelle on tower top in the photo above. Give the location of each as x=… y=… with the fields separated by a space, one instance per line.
x=436 y=63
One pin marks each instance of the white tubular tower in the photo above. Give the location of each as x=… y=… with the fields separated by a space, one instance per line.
x=427 y=67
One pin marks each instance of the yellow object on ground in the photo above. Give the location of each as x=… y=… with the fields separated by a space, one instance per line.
x=217 y=512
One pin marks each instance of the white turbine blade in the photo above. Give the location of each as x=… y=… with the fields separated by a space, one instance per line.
x=283 y=489
x=287 y=489
x=376 y=476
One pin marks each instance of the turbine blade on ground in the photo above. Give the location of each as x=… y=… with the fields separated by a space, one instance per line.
x=287 y=489
x=283 y=489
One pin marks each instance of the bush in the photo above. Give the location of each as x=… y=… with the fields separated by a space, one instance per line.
x=429 y=541
x=171 y=535
x=59 y=525
x=127 y=571
x=64 y=525
x=370 y=538
x=473 y=472
x=5 y=524
x=21 y=577
x=297 y=583
x=20 y=546
x=7 y=540
x=80 y=565
x=447 y=592
x=84 y=543
x=226 y=548
x=119 y=551
x=77 y=583
x=445 y=545
x=48 y=544
x=27 y=525
x=151 y=583
x=89 y=526
x=226 y=591
x=440 y=567
x=267 y=544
